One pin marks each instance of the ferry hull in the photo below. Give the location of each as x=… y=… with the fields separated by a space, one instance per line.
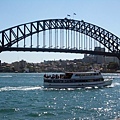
x=78 y=85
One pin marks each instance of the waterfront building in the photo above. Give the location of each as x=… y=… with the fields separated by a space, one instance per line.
x=88 y=59
x=22 y=64
x=111 y=59
x=99 y=59
x=16 y=66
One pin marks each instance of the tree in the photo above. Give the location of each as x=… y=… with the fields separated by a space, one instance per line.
x=113 y=65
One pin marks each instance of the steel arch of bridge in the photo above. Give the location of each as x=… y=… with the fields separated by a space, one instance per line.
x=13 y=35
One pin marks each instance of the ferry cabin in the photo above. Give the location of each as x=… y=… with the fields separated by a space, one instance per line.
x=71 y=77
x=75 y=80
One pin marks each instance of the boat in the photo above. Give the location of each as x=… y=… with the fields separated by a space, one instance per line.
x=76 y=80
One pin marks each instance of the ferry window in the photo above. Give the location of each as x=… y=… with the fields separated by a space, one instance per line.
x=68 y=75
x=101 y=79
x=77 y=75
x=88 y=74
x=47 y=81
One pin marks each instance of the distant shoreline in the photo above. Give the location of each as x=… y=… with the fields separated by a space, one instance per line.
x=49 y=72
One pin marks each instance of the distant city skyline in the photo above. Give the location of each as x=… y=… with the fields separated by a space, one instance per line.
x=101 y=13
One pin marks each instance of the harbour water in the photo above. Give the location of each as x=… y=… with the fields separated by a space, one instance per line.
x=22 y=97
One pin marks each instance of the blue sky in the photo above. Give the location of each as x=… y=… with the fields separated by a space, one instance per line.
x=103 y=13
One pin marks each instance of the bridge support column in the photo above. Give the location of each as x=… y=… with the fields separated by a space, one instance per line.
x=0 y=49
x=119 y=60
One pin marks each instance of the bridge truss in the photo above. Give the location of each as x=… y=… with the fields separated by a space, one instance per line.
x=60 y=35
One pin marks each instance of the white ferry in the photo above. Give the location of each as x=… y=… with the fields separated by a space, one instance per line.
x=76 y=80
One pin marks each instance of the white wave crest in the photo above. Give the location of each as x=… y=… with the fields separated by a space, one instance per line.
x=24 y=88
x=5 y=76
x=115 y=84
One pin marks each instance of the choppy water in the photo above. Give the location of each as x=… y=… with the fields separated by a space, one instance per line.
x=22 y=97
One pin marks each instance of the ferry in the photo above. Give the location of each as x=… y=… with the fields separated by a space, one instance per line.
x=76 y=80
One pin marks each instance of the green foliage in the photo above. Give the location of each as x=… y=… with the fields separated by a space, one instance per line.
x=113 y=65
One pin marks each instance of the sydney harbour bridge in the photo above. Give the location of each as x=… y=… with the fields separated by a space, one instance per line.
x=60 y=35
